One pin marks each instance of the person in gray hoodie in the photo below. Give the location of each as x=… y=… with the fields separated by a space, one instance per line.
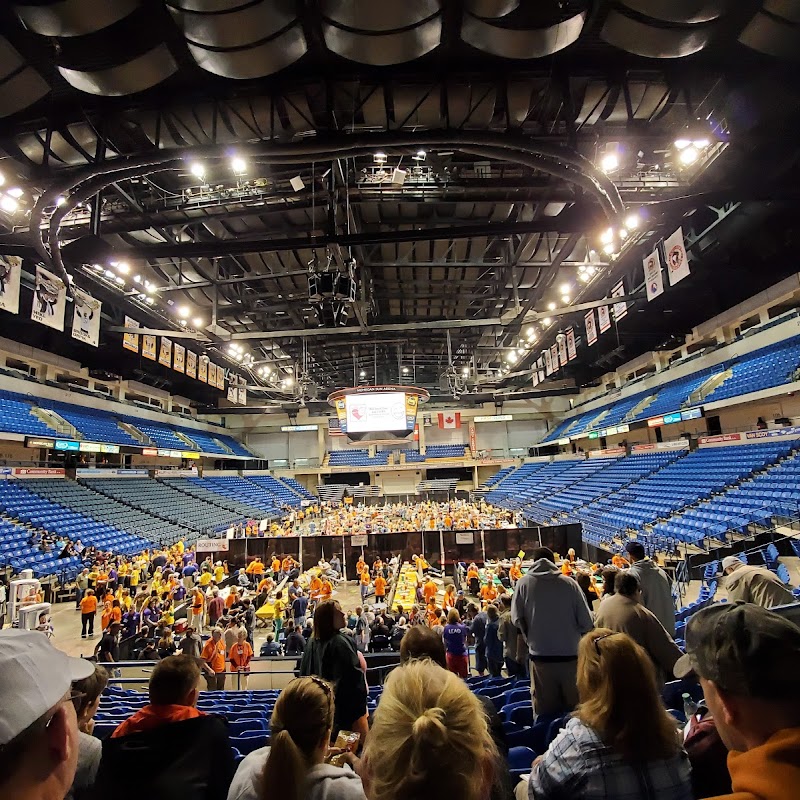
x=656 y=587
x=552 y=615
x=294 y=767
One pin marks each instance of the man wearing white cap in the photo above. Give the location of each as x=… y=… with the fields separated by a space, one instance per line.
x=38 y=724
x=753 y=584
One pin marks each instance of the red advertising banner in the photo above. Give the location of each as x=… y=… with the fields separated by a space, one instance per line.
x=36 y=472
x=473 y=440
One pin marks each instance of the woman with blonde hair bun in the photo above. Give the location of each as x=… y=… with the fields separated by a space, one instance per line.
x=293 y=767
x=429 y=739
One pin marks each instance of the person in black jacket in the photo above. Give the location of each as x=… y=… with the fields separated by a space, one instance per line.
x=180 y=750
x=295 y=644
x=331 y=655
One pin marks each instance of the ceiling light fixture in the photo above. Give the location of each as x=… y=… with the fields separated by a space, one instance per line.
x=123 y=268
x=688 y=155
x=238 y=165
x=607 y=235
x=546 y=321
x=183 y=312
x=197 y=322
x=8 y=204
x=632 y=221
x=551 y=306
x=60 y=200
x=198 y=170
x=608 y=249
x=15 y=191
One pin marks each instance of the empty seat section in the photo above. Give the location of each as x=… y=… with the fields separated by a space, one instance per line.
x=16 y=416
x=283 y=494
x=159 y=433
x=357 y=458
x=444 y=451
x=91 y=424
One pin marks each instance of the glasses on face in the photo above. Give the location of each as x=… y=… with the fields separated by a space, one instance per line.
x=600 y=639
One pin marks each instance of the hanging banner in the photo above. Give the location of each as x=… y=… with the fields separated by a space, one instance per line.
x=130 y=341
x=591 y=327
x=212 y=373
x=535 y=377
x=541 y=369
x=233 y=396
x=10 y=269
x=178 y=358
x=554 y=358
x=202 y=369
x=548 y=362
x=603 y=319
x=562 y=350
x=149 y=346
x=677 y=260
x=191 y=364
x=86 y=318
x=165 y=353
x=49 y=300
x=620 y=309
x=242 y=395
x=653 y=277
x=220 y=378
x=572 y=351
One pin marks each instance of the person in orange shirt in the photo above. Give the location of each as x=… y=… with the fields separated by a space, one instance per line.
x=472 y=572
x=315 y=587
x=380 y=588
x=105 y=617
x=515 y=573
x=232 y=597
x=364 y=583
x=196 y=611
x=432 y=614
x=240 y=655
x=449 y=597
x=488 y=592
x=326 y=590
x=88 y=612
x=429 y=590
x=287 y=564
x=619 y=562
x=255 y=567
x=116 y=612
x=276 y=568
x=213 y=657
x=360 y=566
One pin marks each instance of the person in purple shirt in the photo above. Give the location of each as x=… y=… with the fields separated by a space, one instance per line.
x=178 y=593
x=130 y=623
x=455 y=644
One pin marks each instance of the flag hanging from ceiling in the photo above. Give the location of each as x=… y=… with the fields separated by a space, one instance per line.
x=675 y=255
x=191 y=364
x=603 y=319
x=179 y=357
x=10 y=270
x=86 y=318
x=620 y=309
x=450 y=420
x=591 y=327
x=653 y=277
x=49 y=299
x=148 y=346
x=572 y=350
x=130 y=341
x=165 y=353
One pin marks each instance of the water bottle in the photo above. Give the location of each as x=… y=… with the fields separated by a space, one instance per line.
x=689 y=706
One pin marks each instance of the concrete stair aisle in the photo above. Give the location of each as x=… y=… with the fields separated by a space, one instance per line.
x=56 y=422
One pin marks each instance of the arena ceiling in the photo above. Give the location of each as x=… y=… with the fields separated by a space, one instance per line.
x=218 y=151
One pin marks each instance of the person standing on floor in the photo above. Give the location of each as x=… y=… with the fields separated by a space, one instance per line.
x=455 y=644
x=656 y=587
x=477 y=628
x=81 y=585
x=494 y=647
x=88 y=606
x=551 y=612
x=241 y=653
x=213 y=657
x=509 y=635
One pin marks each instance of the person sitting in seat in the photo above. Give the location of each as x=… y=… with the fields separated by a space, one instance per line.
x=621 y=742
x=270 y=647
x=139 y=746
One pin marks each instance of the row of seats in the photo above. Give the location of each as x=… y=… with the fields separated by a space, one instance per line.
x=357 y=458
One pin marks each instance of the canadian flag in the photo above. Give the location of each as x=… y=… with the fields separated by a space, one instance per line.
x=450 y=420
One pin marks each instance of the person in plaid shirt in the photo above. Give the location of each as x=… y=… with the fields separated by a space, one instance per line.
x=621 y=744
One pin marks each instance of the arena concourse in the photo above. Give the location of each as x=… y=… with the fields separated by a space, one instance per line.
x=399 y=400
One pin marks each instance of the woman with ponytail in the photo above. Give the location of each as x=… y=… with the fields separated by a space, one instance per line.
x=293 y=767
x=429 y=739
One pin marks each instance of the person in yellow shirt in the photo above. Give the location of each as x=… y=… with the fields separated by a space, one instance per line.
x=205 y=578
x=219 y=572
x=180 y=547
x=135 y=575
x=280 y=611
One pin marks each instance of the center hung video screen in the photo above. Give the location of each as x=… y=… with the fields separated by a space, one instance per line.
x=382 y=411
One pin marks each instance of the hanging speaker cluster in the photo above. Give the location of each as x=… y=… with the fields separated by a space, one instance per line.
x=332 y=293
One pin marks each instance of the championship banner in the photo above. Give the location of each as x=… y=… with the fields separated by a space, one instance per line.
x=620 y=309
x=653 y=277
x=548 y=362
x=242 y=395
x=603 y=319
x=562 y=351
x=541 y=369
x=178 y=358
x=212 y=374
x=165 y=353
x=49 y=299
x=130 y=341
x=572 y=351
x=554 y=358
x=149 y=346
x=86 y=318
x=10 y=269
x=677 y=260
x=535 y=377
x=591 y=327
x=233 y=395
x=220 y=378
x=202 y=369
x=191 y=364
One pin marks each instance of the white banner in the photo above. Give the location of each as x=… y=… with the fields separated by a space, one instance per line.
x=465 y=537
x=677 y=260
x=548 y=362
x=620 y=309
x=562 y=350
x=191 y=364
x=49 y=299
x=591 y=328
x=554 y=358
x=86 y=318
x=212 y=546
x=165 y=352
x=572 y=351
x=233 y=395
x=10 y=268
x=130 y=341
x=603 y=319
x=179 y=354
x=359 y=540
x=242 y=396
x=653 y=277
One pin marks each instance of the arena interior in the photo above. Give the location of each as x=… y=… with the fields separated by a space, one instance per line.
x=407 y=309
